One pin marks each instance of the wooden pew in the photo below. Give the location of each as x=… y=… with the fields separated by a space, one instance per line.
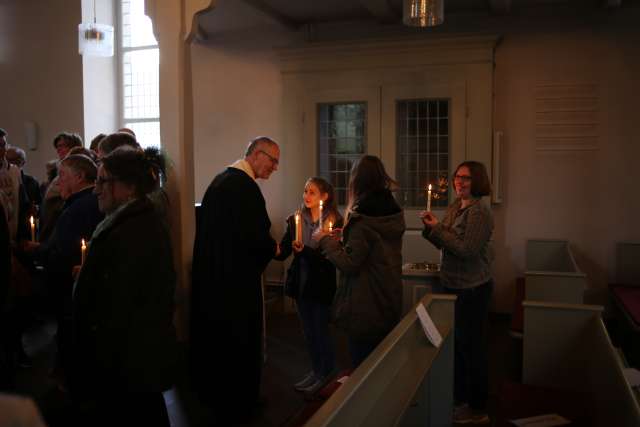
x=552 y=273
x=406 y=381
x=625 y=294
x=566 y=346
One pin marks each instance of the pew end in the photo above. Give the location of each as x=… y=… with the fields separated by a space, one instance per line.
x=566 y=346
x=405 y=381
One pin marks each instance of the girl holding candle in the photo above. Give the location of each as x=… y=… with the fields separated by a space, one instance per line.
x=464 y=235
x=311 y=279
x=368 y=302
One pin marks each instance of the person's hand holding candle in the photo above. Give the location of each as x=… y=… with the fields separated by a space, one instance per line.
x=428 y=219
x=297 y=246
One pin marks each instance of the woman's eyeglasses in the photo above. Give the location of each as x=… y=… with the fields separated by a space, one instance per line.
x=464 y=178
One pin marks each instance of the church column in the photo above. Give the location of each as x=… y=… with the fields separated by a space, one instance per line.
x=173 y=25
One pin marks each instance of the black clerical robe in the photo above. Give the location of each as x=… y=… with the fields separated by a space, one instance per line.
x=233 y=246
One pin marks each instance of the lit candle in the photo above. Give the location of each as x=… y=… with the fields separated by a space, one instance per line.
x=83 y=251
x=330 y=226
x=298 y=227
x=429 y=199
x=320 y=216
x=33 y=229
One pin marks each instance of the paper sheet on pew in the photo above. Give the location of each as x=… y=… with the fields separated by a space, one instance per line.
x=547 y=420
x=633 y=376
x=429 y=328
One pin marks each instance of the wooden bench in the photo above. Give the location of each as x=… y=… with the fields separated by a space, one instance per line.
x=625 y=294
x=567 y=348
x=551 y=274
x=406 y=381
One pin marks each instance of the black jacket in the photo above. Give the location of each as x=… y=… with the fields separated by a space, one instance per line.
x=123 y=305
x=320 y=285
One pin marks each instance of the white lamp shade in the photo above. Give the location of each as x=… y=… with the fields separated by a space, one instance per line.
x=95 y=39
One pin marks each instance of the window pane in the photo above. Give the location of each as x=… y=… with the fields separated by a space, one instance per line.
x=147 y=133
x=422 y=147
x=141 y=84
x=341 y=140
x=136 y=26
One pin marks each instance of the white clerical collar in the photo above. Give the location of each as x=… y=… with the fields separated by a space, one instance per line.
x=243 y=165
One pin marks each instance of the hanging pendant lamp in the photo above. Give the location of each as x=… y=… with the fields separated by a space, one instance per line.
x=95 y=39
x=423 y=13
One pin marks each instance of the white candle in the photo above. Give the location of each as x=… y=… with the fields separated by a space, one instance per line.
x=83 y=251
x=320 y=216
x=297 y=227
x=429 y=199
x=33 y=229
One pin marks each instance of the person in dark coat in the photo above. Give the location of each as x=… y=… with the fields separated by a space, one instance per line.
x=62 y=250
x=124 y=341
x=233 y=246
x=18 y=157
x=311 y=278
x=368 y=301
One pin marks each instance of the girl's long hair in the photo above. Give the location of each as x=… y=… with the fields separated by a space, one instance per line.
x=367 y=176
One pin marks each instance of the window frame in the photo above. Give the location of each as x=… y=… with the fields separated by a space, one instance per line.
x=121 y=51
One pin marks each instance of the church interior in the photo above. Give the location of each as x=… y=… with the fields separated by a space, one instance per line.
x=543 y=92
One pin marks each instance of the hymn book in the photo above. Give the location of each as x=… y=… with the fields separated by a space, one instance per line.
x=429 y=328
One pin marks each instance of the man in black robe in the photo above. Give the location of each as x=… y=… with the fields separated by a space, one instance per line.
x=233 y=246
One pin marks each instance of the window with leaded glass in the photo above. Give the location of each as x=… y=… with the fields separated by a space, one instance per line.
x=422 y=146
x=140 y=61
x=342 y=139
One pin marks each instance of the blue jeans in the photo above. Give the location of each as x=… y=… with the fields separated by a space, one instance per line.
x=471 y=377
x=315 y=325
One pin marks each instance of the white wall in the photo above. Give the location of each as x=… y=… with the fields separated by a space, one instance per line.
x=100 y=89
x=585 y=196
x=40 y=74
x=588 y=197
x=237 y=95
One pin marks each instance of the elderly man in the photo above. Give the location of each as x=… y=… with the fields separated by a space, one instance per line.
x=53 y=203
x=232 y=248
x=17 y=156
x=61 y=252
x=10 y=186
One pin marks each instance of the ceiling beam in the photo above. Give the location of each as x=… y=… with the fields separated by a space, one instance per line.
x=500 y=7
x=381 y=10
x=274 y=14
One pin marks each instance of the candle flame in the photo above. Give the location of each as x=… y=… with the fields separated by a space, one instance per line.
x=31 y=220
x=84 y=245
x=321 y=203
x=429 y=187
x=330 y=225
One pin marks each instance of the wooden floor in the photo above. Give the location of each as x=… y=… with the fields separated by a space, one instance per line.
x=286 y=363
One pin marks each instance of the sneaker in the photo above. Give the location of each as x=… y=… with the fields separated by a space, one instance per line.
x=480 y=418
x=462 y=414
x=315 y=386
x=308 y=379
